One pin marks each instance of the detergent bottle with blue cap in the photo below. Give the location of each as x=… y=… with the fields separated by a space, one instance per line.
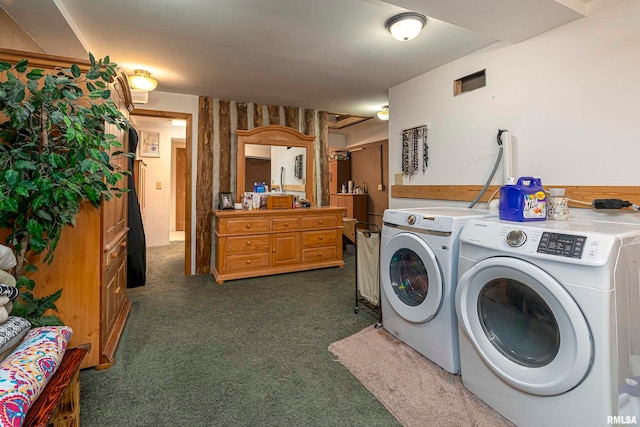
x=524 y=200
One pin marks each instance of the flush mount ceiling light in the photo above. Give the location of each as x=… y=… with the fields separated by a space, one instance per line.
x=384 y=113
x=142 y=80
x=406 y=26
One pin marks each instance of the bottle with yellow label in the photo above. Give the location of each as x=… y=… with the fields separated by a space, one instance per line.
x=523 y=201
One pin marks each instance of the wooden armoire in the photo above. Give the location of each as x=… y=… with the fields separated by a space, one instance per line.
x=90 y=262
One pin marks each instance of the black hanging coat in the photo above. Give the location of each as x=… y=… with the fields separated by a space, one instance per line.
x=136 y=248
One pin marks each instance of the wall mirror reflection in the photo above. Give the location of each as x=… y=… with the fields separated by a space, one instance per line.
x=281 y=168
x=279 y=156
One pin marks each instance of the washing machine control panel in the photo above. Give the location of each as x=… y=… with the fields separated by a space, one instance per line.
x=567 y=245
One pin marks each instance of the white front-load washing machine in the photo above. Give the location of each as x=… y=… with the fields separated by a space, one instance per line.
x=418 y=272
x=549 y=320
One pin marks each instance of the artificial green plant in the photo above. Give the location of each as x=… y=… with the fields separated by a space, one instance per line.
x=54 y=157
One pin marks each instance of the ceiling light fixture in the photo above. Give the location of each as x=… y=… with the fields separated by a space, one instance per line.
x=384 y=113
x=406 y=26
x=142 y=80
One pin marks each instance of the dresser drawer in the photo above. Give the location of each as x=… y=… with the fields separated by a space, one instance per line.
x=246 y=262
x=285 y=224
x=243 y=225
x=115 y=252
x=324 y=253
x=321 y=221
x=248 y=244
x=320 y=238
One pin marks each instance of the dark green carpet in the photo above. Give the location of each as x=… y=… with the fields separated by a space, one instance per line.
x=248 y=353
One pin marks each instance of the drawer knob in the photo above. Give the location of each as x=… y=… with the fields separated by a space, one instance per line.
x=320 y=254
x=248 y=225
x=319 y=221
x=248 y=261
x=320 y=237
x=249 y=243
x=273 y=250
x=286 y=224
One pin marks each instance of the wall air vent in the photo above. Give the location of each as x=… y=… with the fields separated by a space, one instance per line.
x=471 y=82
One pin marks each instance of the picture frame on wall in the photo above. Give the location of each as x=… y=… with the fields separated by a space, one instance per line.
x=225 y=201
x=149 y=143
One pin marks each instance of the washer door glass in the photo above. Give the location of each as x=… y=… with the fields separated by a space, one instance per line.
x=518 y=322
x=411 y=278
x=524 y=325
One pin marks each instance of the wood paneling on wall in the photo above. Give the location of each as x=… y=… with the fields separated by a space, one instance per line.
x=467 y=193
x=368 y=165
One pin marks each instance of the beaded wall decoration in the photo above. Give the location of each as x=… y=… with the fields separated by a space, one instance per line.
x=411 y=150
x=405 y=153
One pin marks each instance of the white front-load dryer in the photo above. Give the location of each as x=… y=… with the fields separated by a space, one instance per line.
x=548 y=319
x=418 y=274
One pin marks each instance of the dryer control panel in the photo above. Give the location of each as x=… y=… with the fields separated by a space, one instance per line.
x=568 y=245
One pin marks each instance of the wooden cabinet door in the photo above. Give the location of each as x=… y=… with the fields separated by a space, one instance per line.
x=285 y=249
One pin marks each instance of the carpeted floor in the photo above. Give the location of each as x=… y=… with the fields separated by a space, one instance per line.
x=248 y=353
x=418 y=392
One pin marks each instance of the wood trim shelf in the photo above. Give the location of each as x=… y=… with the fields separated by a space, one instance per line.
x=467 y=193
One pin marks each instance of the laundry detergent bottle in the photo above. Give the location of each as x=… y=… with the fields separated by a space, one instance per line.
x=523 y=201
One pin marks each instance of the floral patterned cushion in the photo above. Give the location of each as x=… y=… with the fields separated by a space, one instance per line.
x=26 y=371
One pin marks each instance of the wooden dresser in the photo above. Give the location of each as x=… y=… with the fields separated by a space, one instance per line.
x=262 y=242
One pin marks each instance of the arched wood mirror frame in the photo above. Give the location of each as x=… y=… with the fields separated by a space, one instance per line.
x=280 y=136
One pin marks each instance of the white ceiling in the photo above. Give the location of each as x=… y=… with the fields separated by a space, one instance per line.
x=332 y=55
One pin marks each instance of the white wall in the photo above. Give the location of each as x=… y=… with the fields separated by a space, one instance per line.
x=337 y=140
x=569 y=97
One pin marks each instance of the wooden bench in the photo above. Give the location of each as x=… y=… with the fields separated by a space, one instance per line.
x=59 y=403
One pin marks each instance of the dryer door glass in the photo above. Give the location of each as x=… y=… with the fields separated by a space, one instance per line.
x=409 y=277
x=518 y=322
x=524 y=325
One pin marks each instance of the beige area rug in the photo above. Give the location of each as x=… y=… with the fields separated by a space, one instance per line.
x=414 y=389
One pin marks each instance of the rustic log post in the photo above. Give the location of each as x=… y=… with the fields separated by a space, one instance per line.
x=258 y=117
x=323 y=117
x=204 y=184
x=225 y=147
x=274 y=114
x=243 y=118
x=292 y=117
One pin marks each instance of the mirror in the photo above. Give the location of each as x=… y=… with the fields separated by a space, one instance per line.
x=278 y=155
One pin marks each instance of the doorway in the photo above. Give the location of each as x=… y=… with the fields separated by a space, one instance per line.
x=186 y=175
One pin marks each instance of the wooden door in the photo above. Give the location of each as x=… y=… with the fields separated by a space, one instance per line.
x=181 y=187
